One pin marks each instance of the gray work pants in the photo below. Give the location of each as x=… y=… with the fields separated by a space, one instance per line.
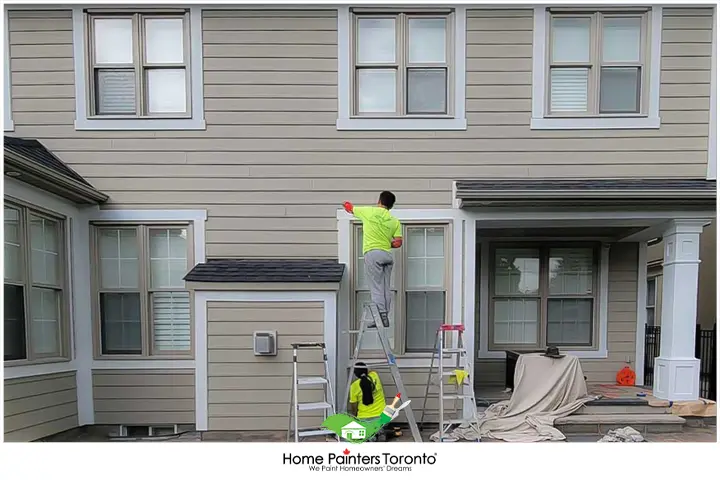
x=378 y=272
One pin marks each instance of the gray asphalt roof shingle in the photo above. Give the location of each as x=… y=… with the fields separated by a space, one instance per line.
x=539 y=184
x=275 y=270
x=37 y=152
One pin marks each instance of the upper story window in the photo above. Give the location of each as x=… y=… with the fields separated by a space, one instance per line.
x=401 y=70
x=402 y=64
x=35 y=323
x=139 y=65
x=139 y=70
x=599 y=69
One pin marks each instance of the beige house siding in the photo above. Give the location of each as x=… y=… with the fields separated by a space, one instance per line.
x=248 y=392
x=622 y=322
x=39 y=406
x=144 y=397
x=272 y=169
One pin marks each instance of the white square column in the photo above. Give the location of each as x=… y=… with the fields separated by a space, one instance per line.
x=677 y=371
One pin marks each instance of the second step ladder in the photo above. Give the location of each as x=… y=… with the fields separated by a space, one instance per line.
x=371 y=321
x=451 y=362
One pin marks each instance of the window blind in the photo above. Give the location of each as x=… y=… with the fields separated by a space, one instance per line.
x=171 y=321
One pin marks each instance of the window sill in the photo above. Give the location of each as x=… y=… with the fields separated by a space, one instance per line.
x=163 y=363
x=40 y=361
x=140 y=124
x=595 y=123
x=402 y=124
x=581 y=354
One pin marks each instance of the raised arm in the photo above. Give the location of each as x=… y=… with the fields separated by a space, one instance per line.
x=397 y=237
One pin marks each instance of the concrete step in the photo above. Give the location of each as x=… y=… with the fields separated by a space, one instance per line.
x=601 y=424
x=590 y=409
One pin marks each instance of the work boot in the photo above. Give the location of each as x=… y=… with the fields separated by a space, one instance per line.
x=385 y=320
x=381 y=437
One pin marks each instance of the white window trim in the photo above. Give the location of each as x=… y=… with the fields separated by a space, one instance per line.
x=345 y=122
x=642 y=279
x=82 y=120
x=330 y=336
x=713 y=126
x=197 y=218
x=540 y=122
x=8 y=124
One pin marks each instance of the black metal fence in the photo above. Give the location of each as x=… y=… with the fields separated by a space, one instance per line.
x=705 y=350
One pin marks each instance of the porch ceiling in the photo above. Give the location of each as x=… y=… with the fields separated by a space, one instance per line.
x=598 y=232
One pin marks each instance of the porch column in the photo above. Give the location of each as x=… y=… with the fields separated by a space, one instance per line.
x=677 y=371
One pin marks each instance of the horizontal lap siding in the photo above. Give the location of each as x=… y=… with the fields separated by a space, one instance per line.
x=622 y=316
x=144 y=397
x=499 y=93
x=271 y=168
x=248 y=392
x=39 y=406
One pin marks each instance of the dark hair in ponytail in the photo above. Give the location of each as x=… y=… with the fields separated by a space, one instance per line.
x=366 y=385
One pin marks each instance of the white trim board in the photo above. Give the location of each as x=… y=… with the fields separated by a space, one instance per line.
x=196 y=217
x=8 y=124
x=82 y=120
x=201 y=353
x=345 y=120
x=713 y=126
x=539 y=121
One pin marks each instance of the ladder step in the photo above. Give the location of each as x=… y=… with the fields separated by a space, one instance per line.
x=453 y=350
x=303 y=407
x=372 y=363
x=456 y=396
x=314 y=433
x=312 y=381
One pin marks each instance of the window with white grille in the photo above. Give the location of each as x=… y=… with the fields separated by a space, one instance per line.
x=597 y=63
x=143 y=306
x=419 y=284
x=543 y=295
x=35 y=319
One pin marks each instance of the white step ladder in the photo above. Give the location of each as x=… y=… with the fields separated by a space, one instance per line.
x=327 y=406
x=371 y=320
x=446 y=370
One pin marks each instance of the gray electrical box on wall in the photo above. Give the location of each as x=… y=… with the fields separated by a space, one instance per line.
x=265 y=343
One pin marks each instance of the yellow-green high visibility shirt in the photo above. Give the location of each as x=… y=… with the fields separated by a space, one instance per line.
x=377 y=406
x=379 y=228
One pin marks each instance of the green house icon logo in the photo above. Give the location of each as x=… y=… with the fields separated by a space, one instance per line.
x=353 y=431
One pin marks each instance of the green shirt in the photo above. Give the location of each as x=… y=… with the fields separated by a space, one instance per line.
x=374 y=409
x=379 y=228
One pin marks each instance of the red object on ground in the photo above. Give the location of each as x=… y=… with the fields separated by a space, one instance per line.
x=626 y=377
x=348 y=207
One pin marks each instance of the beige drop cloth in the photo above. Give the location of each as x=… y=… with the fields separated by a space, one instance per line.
x=545 y=389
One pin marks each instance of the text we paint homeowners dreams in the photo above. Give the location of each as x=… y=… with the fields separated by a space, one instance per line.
x=345 y=462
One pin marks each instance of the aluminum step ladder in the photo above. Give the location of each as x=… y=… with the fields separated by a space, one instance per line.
x=327 y=406
x=372 y=321
x=444 y=371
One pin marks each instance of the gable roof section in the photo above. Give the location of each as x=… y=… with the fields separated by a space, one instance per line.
x=34 y=164
x=275 y=270
x=586 y=192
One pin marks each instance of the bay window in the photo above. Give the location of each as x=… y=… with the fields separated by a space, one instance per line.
x=543 y=295
x=420 y=281
x=35 y=322
x=141 y=301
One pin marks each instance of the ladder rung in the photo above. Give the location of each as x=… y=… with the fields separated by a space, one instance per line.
x=456 y=396
x=313 y=406
x=308 y=345
x=314 y=433
x=312 y=381
x=453 y=350
x=372 y=363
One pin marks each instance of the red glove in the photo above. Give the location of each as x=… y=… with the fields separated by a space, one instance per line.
x=348 y=207
x=396 y=243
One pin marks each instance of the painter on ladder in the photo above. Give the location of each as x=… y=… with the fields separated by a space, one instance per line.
x=381 y=233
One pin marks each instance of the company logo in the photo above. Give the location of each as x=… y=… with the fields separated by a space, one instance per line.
x=354 y=430
x=357 y=462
